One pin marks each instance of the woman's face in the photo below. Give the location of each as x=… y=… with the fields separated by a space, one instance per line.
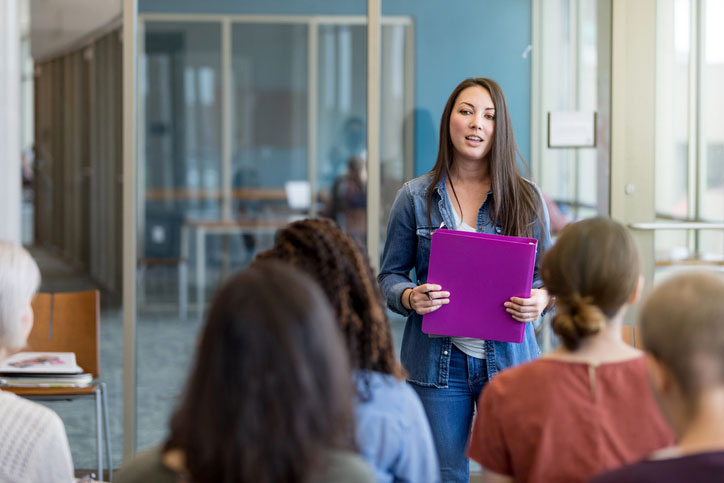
x=472 y=124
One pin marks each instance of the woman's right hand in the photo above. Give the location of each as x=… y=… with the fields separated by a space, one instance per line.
x=425 y=298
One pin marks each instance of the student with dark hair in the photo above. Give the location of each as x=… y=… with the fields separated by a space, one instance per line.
x=475 y=185
x=586 y=406
x=392 y=430
x=268 y=398
x=682 y=326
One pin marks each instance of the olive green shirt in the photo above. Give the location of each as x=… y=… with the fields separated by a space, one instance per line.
x=343 y=466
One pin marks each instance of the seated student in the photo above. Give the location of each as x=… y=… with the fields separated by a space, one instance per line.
x=586 y=406
x=392 y=430
x=682 y=325
x=33 y=444
x=268 y=398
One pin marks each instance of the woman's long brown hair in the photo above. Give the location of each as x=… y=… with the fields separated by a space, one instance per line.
x=270 y=390
x=516 y=204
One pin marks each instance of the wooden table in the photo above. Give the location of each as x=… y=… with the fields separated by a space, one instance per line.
x=201 y=229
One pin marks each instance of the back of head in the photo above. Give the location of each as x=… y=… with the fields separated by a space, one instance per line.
x=270 y=391
x=592 y=270
x=321 y=249
x=682 y=325
x=19 y=280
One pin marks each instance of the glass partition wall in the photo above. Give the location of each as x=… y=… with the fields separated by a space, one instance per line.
x=571 y=65
x=247 y=123
x=248 y=120
x=178 y=178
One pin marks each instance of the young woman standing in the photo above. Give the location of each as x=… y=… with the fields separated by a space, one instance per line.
x=475 y=185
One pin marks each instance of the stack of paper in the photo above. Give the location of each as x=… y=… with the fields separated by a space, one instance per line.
x=481 y=272
x=43 y=369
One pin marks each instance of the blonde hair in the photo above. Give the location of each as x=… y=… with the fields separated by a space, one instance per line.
x=592 y=270
x=682 y=325
x=19 y=280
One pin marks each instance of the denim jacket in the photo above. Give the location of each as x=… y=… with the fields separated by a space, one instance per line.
x=427 y=359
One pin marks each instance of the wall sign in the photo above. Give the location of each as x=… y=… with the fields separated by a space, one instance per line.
x=572 y=129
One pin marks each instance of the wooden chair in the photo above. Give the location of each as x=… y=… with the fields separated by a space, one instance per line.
x=70 y=322
x=632 y=336
x=638 y=341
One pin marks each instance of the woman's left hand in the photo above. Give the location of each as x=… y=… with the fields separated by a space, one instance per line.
x=528 y=310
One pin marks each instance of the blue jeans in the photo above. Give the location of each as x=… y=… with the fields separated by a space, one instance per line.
x=450 y=413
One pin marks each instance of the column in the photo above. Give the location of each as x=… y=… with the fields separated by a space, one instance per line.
x=10 y=181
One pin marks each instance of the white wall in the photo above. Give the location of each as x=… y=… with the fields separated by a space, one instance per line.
x=9 y=121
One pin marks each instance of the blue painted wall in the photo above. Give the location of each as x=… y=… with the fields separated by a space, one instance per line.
x=471 y=38
x=453 y=40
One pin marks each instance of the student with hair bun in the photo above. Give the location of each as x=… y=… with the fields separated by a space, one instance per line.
x=585 y=407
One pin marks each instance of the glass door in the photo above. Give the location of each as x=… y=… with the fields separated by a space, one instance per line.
x=666 y=162
x=689 y=170
x=657 y=162
x=179 y=179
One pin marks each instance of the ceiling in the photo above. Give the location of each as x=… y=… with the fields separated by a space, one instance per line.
x=58 y=25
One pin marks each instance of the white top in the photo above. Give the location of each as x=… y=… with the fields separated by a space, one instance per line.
x=33 y=444
x=470 y=346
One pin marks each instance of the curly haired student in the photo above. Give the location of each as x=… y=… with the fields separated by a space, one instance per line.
x=392 y=429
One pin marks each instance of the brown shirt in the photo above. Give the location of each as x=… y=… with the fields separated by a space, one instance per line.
x=552 y=420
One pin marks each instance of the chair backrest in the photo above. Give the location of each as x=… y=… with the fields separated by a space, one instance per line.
x=638 y=341
x=627 y=334
x=68 y=322
x=632 y=336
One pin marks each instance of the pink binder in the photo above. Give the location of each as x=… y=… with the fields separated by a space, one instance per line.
x=481 y=272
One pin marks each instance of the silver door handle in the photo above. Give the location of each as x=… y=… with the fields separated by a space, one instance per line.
x=685 y=225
